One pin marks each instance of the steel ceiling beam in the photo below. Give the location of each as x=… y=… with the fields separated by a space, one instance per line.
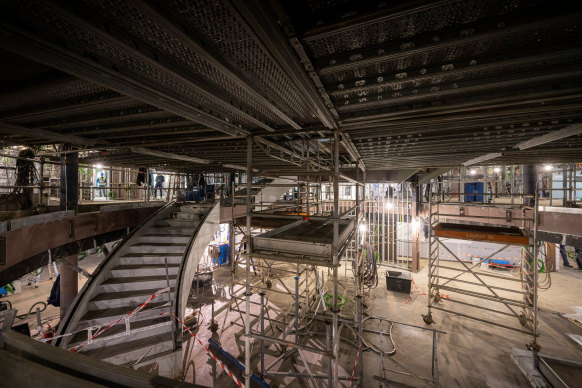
x=109 y=32
x=460 y=69
x=205 y=49
x=433 y=173
x=258 y=22
x=68 y=108
x=489 y=104
x=369 y=19
x=46 y=135
x=168 y=155
x=71 y=60
x=303 y=75
x=477 y=87
x=394 y=51
x=568 y=131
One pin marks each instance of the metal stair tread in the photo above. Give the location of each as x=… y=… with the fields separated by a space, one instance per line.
x=155 y=244
x=125 y=294
x=135 y=279
x=143 y=266
x=118 y=311
x=126 y=347
x=81 y=336
x=153 y=254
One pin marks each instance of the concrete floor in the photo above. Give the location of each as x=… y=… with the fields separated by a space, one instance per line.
x=470 y=354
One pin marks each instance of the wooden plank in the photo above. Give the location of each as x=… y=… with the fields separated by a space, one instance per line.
x=482 y=236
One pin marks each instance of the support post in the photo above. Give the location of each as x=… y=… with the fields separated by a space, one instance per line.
x=41 y=183
x=69 y=189
x=262 y=318
x=297 y=309
x=564 y=185
x=329 y=349
x=335 y=250
x=69 y=283
x=247 y=373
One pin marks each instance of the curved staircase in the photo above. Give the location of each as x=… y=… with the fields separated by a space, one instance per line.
x=162 y=253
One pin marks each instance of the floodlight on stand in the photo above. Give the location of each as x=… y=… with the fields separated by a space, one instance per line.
x=473 y=172
x=389 y=205
x=98 y=166
x=548 y=167
x=363 y=227
x=497 y=169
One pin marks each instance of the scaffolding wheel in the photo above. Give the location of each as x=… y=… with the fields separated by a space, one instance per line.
x=214 y=327
x=268 y=283
x=427 y=318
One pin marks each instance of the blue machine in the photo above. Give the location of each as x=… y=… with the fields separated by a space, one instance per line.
x=474 y=187
x=224 y=254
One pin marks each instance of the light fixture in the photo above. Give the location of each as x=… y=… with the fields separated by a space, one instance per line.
x=362 y=227
x=389 y=205
x=548 y=167
x=415 y=224
x=497 y=169
x=473 y=172
x=98 y=166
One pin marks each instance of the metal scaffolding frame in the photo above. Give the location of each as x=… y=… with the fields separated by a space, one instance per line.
x=308 y=283
x=527 y=284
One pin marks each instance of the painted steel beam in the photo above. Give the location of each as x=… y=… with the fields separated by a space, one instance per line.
x=267 y=32
x=433 y=173
x=71 y=60
x=394 y=51
x=168 y=155
x=46 y=135
x=117 y=37
x=570 y=130
x=169 y=21
x=507 y=83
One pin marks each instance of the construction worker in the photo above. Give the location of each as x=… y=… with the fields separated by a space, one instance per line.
x=159 y=185
x=102 y=184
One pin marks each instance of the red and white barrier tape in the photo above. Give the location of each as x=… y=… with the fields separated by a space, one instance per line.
x=91 y=336
x=228 y=372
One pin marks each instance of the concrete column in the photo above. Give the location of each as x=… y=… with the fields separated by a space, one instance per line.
x=416 y=248
x=530 y=177
x=69 y=179
x=69 y=283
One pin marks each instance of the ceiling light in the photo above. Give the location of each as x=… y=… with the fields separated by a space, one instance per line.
x=497 y=169
x=98 y=166
x=389 y=205
x=548 y=167
x=473 y=172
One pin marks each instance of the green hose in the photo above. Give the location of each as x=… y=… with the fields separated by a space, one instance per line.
x=328 y=300
x=23 y=316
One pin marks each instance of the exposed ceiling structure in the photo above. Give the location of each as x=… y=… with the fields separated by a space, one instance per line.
x=183 y=83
